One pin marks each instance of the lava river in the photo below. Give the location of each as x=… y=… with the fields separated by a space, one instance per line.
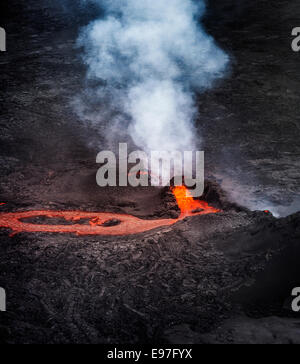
x=101 y=223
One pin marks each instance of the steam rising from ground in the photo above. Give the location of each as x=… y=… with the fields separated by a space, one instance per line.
x=150 y=57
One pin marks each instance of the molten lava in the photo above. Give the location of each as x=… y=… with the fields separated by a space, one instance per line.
x=102 y=223
x=190 y=207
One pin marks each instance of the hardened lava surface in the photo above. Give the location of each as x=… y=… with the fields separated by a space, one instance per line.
x=218 y=278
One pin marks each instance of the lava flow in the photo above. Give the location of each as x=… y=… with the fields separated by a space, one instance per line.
x=190 y=207
x=102 y=223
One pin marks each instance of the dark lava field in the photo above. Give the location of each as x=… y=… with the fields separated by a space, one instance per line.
x=219 y=278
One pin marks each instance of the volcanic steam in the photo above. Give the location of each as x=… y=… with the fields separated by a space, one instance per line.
x=149 y=57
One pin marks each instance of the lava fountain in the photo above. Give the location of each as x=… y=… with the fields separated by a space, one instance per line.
x=93 y=223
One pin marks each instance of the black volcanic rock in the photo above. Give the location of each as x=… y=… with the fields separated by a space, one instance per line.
x=112 y=222
x=221 y=278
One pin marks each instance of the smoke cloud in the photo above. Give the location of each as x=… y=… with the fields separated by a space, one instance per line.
x=150 y=58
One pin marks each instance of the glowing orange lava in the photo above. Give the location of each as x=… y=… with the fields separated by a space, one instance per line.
x=100 y=223
x=189 y=206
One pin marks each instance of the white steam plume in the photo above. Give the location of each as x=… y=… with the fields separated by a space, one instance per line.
x=152 y=56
